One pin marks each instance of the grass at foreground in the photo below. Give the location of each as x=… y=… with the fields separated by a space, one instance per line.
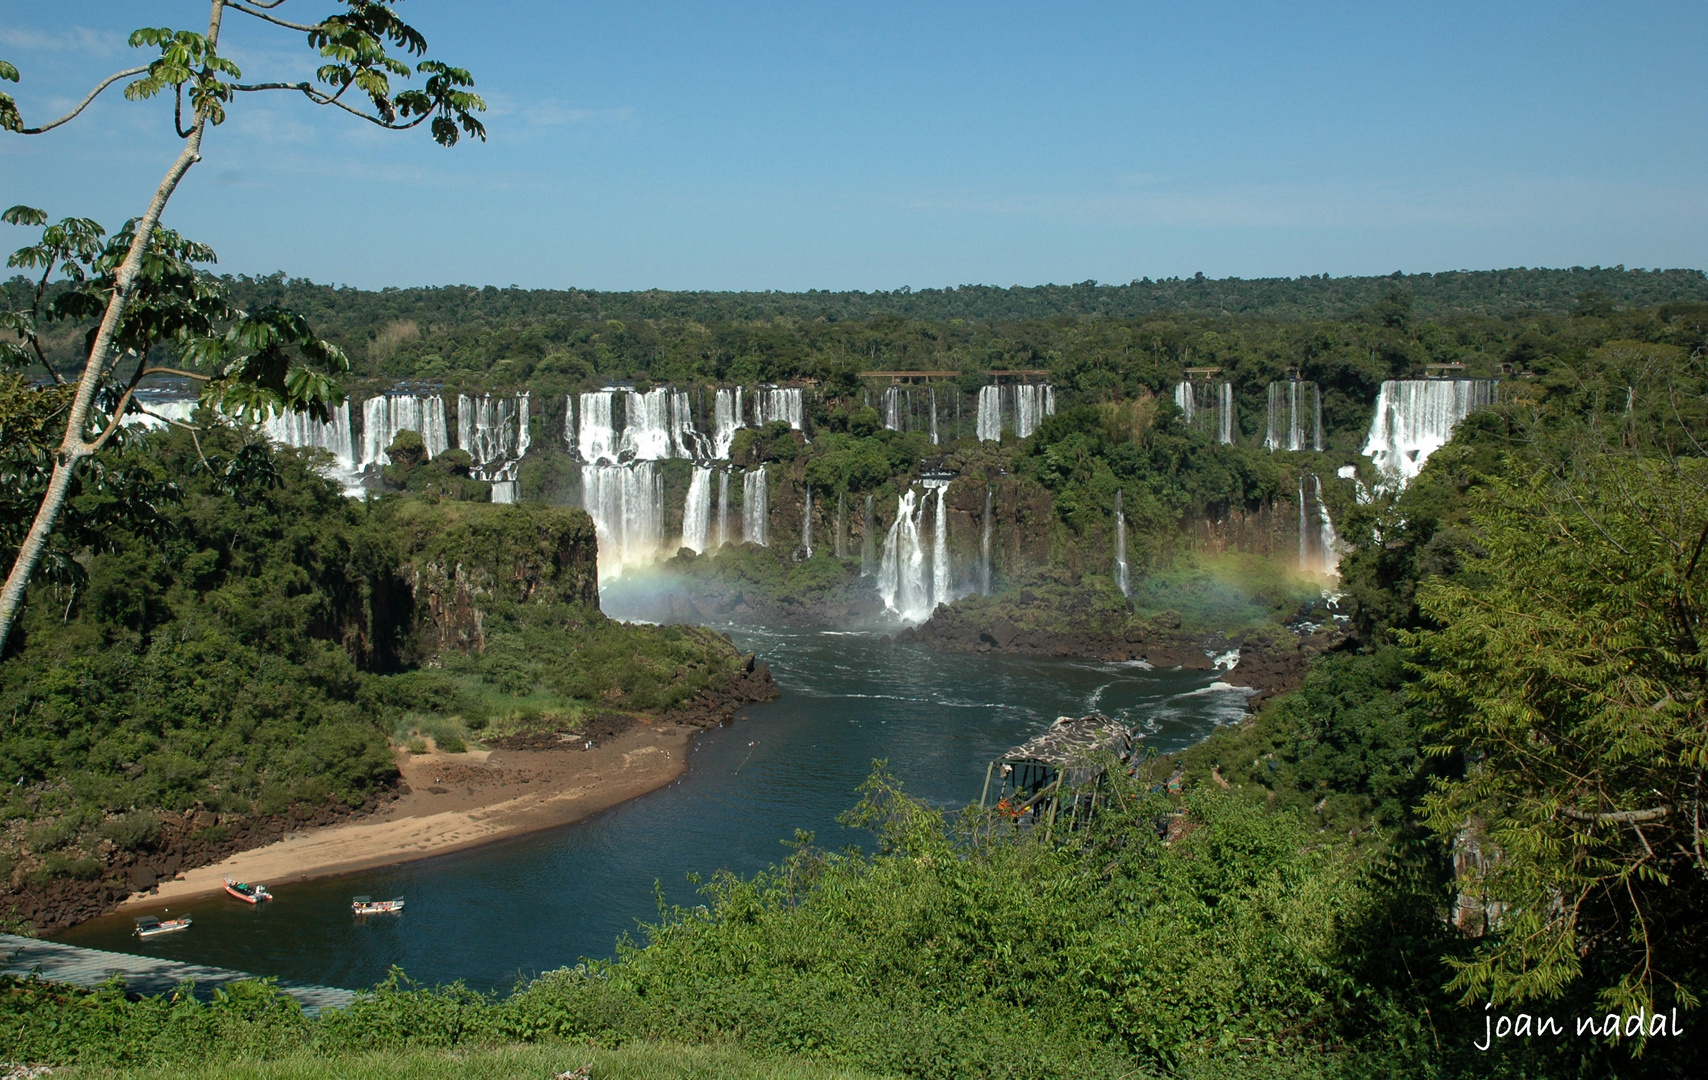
x=636 y=1061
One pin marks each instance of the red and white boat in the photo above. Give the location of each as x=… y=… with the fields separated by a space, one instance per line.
x=249 y=894
x=363 y=905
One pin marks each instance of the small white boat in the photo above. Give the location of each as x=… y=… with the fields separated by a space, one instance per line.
x=148 y=926
x=365 y=905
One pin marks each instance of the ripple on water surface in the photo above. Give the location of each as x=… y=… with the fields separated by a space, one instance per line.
x=533 y=903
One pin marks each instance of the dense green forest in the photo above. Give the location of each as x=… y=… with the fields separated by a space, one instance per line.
x=1486 y=792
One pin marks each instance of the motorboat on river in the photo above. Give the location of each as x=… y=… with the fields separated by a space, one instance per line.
x=365 y=905
x=249 y=894
x=148 y=926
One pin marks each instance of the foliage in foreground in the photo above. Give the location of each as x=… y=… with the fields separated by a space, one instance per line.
x=959 y=949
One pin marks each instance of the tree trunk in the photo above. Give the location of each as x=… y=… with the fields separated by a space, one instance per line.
x=74 y=447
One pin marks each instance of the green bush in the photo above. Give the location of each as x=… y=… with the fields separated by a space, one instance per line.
x=134 y=830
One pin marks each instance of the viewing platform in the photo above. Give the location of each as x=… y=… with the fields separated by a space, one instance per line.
x=944 y=376
x=145 y=976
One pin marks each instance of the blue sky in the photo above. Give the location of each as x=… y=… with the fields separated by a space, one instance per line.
x=874 y=145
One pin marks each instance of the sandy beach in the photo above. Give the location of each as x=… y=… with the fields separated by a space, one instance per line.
x=458 y=801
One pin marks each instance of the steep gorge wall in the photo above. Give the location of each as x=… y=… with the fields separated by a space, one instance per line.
x=460 y=558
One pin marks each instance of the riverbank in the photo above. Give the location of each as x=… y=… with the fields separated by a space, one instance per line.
x=457 y=801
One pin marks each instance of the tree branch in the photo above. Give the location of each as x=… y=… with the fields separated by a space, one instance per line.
x=84 y=104
x=320 y=97
x=1618 y=817
x=264 y=17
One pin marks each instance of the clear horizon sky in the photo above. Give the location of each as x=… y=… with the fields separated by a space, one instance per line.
x=869 y=146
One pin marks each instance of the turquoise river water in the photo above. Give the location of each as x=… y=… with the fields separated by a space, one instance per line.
x=497 y=914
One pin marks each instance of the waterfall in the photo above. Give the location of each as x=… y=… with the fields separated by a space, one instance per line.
x=1187 y=401
x=984 y=544
x=1304 y=548
x=842 y=525
x=1415 y=417
x=806 y=523
x=1288 y=403
x=685 y=440
x=646 y=425
x=493 y=429
x=302 y=430
x=867 y=541
x=989 y=424
x=723 y=507
x=597 y=440
x=626 y=504
x=942 y=580
x=1123 y=576
x=1032 y=403
x=1330 y=543
x=901 y=574
x=755 y=506
x=1209 y=406
x=697 y=511
x=933 y=391
x=383 y=417
x=773 y=403
x=896 y=408
x=912 y=581
x=569 y=422
x=726 y=420
x=524 y=430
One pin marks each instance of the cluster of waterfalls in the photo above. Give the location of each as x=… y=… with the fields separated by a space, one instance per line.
x=1208 y=405
x=1295 y=407
x=620 y=435
x=936 y=410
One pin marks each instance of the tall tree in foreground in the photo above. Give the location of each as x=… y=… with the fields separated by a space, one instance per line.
x=254 y=361
x=1570 y=676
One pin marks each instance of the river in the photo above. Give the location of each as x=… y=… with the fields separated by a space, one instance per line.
x=498 y=914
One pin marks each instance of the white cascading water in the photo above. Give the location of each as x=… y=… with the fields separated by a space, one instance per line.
x=1293 y=404
x=773 y=403
x=726 y=420
x=842 y=525
x=1186 y=400
x=383 y=417
x=302 y=430
x=596 y=439
x=646 y=426
x=626 y=504
x=493 y=429
x=933 y=392
x=912 y=581
x=1415 y=417
x=1210 y=405
x=1123 y=575
x=697 y=511
x=1326 y=536
x=988 y=425
x=755 y=506
x=942 y=580
x=901 y=572
x=985 y=544
x=896 y=408
x=723 y=507
x=1032 y=402
x=806 y=524
x=685 y=440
